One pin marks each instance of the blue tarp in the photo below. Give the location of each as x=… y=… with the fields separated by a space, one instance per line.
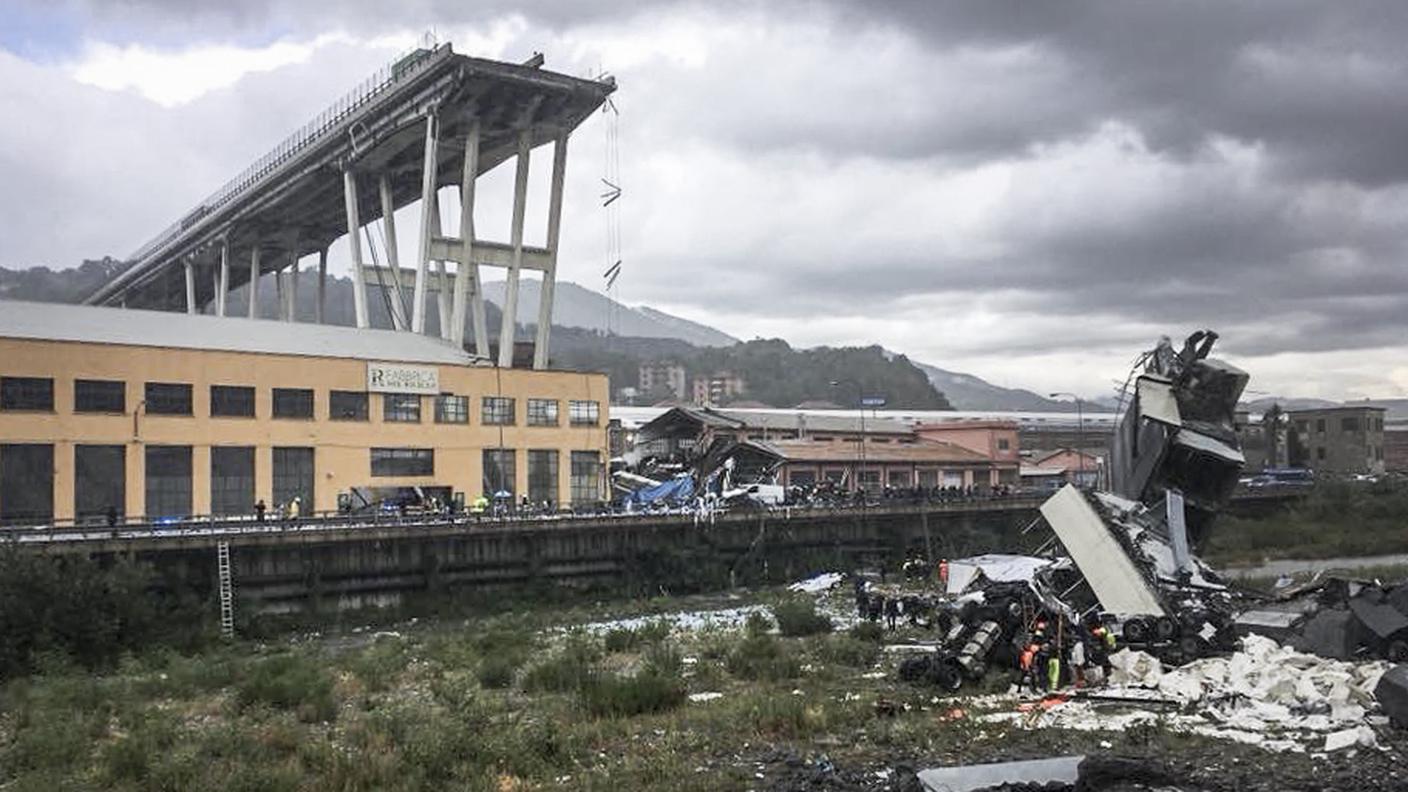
x=675 y=491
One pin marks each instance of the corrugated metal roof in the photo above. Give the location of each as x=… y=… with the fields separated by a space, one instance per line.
x=132 y=327
x=921 y=452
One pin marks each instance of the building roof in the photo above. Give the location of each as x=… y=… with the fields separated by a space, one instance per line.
x=946 y=426
x=694 y=419
x=1312 y=411
x=920 y=452
x=1043 y=456
x=169 y=330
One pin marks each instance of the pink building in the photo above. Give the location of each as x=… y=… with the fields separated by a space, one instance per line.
x=996 y=440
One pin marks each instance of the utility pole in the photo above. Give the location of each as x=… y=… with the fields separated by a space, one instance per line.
x=1080 y=432
x=860 y=450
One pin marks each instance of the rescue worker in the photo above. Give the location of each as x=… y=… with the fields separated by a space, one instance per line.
x=259 y=509
x=892 y=611
x=480 y=504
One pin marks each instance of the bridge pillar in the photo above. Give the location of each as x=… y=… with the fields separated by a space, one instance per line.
x=559 y=174
x=520 y=200
x=190 y=285
x=319 y=309
x=254 y=254
x=393 y=254
x=467 y=269
x=428 y=211
x=222 y=278
x=354 y=244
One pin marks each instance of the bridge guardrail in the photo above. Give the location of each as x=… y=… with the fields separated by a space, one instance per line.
x=97 y=529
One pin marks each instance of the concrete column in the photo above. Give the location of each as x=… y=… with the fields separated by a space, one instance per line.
x=520 y=199
x=279 y=295
x=190 y=286
x=467 y=269
x=559 y=174
x=427 y=203
x=254 y=255
x=322 y=285
x=442 y=293
x=393 y=255
x=354 y=243
x=293 y=285
x=222 y=283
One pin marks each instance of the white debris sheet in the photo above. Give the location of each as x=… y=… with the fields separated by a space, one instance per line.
x=686 y=621
x=817 y=584
x=996 y=567
x=1265 y=694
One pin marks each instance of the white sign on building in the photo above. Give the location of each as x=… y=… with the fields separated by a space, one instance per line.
x=399 y=378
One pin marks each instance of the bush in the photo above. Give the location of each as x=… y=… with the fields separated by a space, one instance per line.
x=761 y=657
x=606 y=696
x=625 y=639
x=848 y=650
x=868 y=631
x=797 y=616
x=289 y=682
x=757 y=624
x=498 y=671
x=566 y=671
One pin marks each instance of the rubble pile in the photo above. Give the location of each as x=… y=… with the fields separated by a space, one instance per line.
x=1264 y=694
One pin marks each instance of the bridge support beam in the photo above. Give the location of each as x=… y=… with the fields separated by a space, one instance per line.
x=467 y=270
x=190 y=285
x=354 y=244
x=254 y=254
x=520 y=200
x=321 y=307
x=222 y=279
x=393 y=254
x=428 y=212
x=559 y=174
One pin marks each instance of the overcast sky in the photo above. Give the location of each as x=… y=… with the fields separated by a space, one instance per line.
x=1029 y=192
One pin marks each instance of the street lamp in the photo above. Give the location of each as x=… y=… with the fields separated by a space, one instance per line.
x=1080 y=431
x=860 y=450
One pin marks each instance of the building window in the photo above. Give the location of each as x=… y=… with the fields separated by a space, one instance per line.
x=293 y=477
x=293 y=403
x=231 y=479
x=1003 y=444
x=26 y=481
x=542 y=412
x=498 y=411
x=1320 y=425
x=400 y=408
x=168 y=481
x=584 y=413
x=500 y=471
x=403 y=461
x=26 y=393
x=1349 y=424
x=99 y=396
x=1320 y=453
x=586 y=477
x=899 y=478
x=99 y=480
x=542 y=476
x=347 y=406
x=802 y=478
x=230 y=401
x=451 y=409
x=169 y=398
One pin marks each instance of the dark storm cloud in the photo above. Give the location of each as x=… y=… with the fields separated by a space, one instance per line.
x=1232 y=164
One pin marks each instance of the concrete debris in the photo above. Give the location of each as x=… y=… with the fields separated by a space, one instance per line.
x=705 y=696
x=1064 y=770
x=817 y=584
x=1392 y=695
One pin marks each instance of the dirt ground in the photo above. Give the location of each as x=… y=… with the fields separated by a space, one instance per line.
x=1163 y=762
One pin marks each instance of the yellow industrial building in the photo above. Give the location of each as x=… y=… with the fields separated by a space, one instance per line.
x=158 y=415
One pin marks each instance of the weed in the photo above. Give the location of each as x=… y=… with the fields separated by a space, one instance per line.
x=848 y=650
x=289 y=682
x=625 y=639
x=757 y=624
x=606 y=696
x=762 y=657
x=566 y=671
x=797 y=616
x=497 y=671
x=868 y=631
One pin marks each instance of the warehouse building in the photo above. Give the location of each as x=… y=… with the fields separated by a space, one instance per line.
x=162 y=415
x=1348 y=439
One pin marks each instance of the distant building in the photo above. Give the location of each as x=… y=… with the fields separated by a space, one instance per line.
x=818 y=404
x=1396 y=448
x=1338 y=439
x=925 y=463
x=997 y=440
x=1079 y=468
x=717 y=388
x=662 y=377
x=1263 y=448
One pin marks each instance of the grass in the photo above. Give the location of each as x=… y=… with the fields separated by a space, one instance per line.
x=474 y=705
x=797 y=616
x=1337 y=519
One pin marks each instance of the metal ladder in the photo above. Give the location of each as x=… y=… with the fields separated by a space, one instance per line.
x=227 y=590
